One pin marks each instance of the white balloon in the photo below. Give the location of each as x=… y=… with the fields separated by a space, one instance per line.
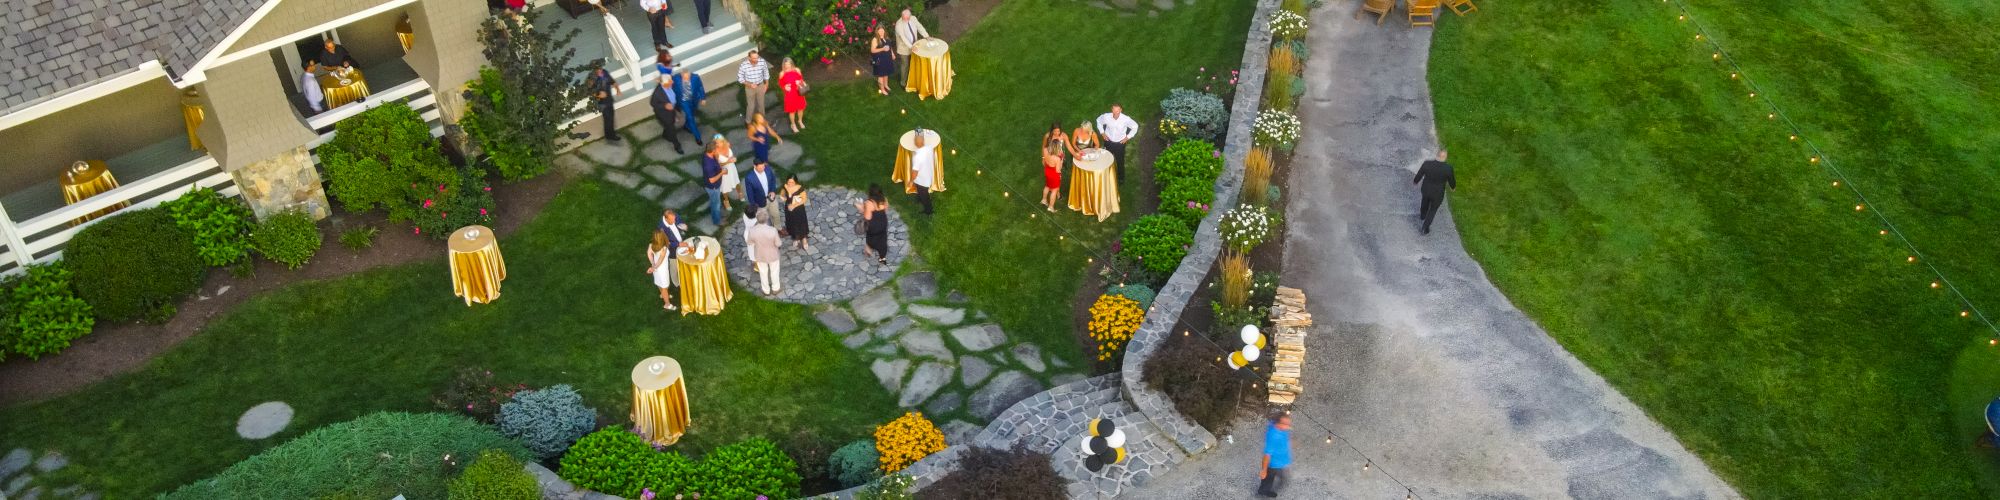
x=1085 y=445
x=1250 y=352
x=1116 y=439
x=1250 y=334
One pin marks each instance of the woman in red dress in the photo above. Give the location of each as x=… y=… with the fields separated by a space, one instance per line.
x=794 y=85
x=1053 y=145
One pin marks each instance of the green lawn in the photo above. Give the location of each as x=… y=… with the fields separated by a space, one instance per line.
x=577 y=309
x=1030 y=62
x=1634 y=200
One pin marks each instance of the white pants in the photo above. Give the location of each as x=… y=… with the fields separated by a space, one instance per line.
x=767 y=274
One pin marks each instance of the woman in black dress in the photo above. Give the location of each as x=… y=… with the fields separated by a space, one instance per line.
x=884 y=55
x=794 y=198
x=875 y=216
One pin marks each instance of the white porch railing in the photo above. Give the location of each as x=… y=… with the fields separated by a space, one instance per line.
x=41 y=239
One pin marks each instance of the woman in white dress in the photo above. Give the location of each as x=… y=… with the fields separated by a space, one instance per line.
x=661 y=258
x=731 y=181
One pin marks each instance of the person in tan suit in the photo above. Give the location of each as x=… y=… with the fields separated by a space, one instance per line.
x=908 y=31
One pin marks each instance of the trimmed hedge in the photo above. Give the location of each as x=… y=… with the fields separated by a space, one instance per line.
x=379 y=455
x=133 y=264
x=1158 y=241
x=619 y=462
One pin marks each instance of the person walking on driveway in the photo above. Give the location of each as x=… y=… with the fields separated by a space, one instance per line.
x=1277 y=456
x=1433 y=178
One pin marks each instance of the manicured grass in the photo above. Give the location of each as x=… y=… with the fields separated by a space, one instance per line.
x=577 y=309
x=1030 y=62
x=1633 y=199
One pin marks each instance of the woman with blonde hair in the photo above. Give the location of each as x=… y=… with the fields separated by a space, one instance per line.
x=793 y=83
x=660 y=255
x=1053 y=145
x=1084 y=138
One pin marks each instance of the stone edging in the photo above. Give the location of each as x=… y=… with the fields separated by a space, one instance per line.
x=1173 y=297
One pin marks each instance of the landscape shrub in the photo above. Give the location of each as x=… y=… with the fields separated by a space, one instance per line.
x=906 y=440
x=1299 y=7
x=359 y=238
x=986 y=473
x=1264 y=290
x=1187 y=159
x=1287 y=25
x=39 y=312
x=1113 y=318
x=495 y=475
x=474 y=392
x=811 y=452
x=1257 y=168
x=1246 y=226
x=133 y=263
x=1138 y=292
x=1276 y=127
x=547 y=420
x=1187 y=199
x=1203 y=114
x=379 y=455
x=1172 y=130
x=1278 y=91
x=1185 y=369
x=220 y=225
x=1233 y=272
x=619 y=462
x=467 y=202
x=507 y=106
x=855 y=464
x=1159 y=241
x=384 y=158
x=287 y=237
x=821 y=30
x=891 y=487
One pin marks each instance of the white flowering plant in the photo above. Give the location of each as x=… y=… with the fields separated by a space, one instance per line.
x=1276 y=127
x=1247 y=226
x=1287 y=25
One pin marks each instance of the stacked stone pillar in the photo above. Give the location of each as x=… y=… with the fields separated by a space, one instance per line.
x=1290 y=323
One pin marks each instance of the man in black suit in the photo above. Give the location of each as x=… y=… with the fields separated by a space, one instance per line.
x=333 y=55
x=664 y=111
x=1433 y=178
x=606 y=91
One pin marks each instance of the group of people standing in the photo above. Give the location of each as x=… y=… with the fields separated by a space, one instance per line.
x=891 y=56
x=1112 y=131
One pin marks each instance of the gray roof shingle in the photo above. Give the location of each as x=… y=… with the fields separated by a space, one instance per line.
x=53 y=45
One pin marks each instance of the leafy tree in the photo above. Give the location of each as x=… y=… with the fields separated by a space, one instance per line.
x=524 y=102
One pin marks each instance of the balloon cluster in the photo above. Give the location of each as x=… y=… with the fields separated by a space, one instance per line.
x=1253 y=346
x=1105 y=446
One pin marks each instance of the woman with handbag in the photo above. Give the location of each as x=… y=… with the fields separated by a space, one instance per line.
x=794 y=85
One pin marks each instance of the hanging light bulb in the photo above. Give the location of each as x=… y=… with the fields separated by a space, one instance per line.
x=1814 y=159
x=1753 y=95
x=1883 y=232
x=1795 y=137
x=1836 y=183
x=1993 y=342
x=1911 y=259
x=1935 y=284
x=1718 y=56
x=1329 y=439
x=1364 y=465
x=1857 y=207
x=1732 y=76
x=1772 y=116
x=1962 y=314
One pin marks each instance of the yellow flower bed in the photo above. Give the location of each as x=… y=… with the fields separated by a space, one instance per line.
x=1112 y=320
x=906 y=440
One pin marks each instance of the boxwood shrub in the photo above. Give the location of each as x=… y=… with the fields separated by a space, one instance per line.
x=619 y=462
x=134 y=263
x=288 y=238
x=39 y=312
x=1158 y=241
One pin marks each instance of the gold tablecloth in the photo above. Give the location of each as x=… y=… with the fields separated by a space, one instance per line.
x=930 y=69
x=476 y=266
x=704 y=281
x=406 y=34
x=192 y=114
x=1093 y=185
x=659 y=400
x=84 y=180
x=338 y=94
x=908 y=146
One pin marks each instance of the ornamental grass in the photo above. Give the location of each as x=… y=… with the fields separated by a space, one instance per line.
x=1234 y=273
x=1257 y=176
x=906 y=440
x=1112 y=320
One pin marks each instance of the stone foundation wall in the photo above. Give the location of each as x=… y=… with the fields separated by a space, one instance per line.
x=283 y=182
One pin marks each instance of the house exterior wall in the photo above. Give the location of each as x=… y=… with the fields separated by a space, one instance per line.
x=447 y=52
x=373 y=39
x=247 y=102
x=100 y=129
x=291 y=16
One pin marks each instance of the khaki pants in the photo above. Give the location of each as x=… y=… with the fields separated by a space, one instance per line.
x=753 y=99
x=767 y=276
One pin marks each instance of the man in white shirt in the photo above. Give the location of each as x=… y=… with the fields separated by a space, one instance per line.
x=922 y=162
x=309 y=87
x=1117 y=128
x=755 y=75
x=908 y=31
x=656 y=16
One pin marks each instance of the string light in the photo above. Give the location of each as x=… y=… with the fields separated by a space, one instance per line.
x=1718 y=56
x=1795 y=137
x=1911 y=259
x=1857 y=207
x=1883 y=232
x=1836 y=183
x=1935 y=284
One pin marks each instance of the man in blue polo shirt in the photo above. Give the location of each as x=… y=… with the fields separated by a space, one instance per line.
x=1277 y=455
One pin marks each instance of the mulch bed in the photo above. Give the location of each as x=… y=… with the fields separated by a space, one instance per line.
x=114 y=349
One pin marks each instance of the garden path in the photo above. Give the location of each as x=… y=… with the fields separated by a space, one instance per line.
x=930 y=347
x=1417 y=358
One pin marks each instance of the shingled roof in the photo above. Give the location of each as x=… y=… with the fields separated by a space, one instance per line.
x=50 y=46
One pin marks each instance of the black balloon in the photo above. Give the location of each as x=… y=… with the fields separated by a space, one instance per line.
x=1104 y=428
x=1099 y=447
x=1094 y=463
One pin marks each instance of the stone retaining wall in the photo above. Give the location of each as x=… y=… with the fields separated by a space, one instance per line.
x=1173 y=297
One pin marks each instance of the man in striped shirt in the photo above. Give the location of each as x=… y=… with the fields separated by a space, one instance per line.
x=755 y=75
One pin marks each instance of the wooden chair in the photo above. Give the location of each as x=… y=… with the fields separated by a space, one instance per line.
x=1426 y=9
x=1461 y=7
x=1379 y=7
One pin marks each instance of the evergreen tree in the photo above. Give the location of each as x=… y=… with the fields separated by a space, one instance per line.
x=522 y=104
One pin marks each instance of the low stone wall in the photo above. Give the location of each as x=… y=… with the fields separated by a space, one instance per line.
x=1173 y=297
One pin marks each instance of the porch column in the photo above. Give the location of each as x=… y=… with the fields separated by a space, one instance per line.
x=261 y=138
